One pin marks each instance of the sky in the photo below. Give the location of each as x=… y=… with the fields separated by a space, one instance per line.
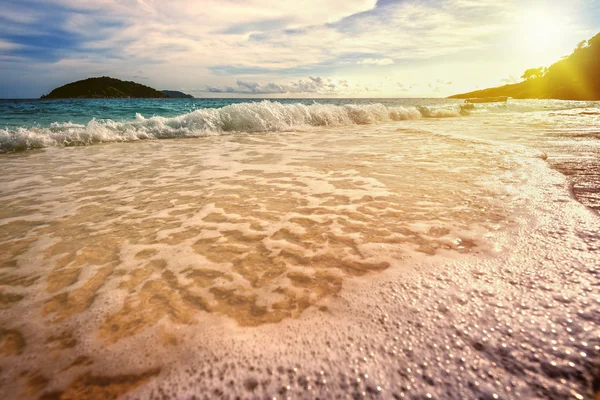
x=275 y=48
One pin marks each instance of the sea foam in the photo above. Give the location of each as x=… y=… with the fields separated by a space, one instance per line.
x=265 y=116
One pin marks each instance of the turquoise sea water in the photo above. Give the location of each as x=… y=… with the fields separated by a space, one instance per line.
x=41 y=113
x=30 y=124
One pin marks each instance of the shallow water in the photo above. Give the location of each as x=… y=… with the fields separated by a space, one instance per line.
x=420 y=258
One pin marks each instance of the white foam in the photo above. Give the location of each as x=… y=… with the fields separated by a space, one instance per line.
x=265 y=116
x=508 y=323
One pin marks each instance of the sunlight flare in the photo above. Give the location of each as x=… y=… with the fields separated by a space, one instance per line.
x=542 y=30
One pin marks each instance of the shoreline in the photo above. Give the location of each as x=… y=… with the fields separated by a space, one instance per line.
x=480 y=237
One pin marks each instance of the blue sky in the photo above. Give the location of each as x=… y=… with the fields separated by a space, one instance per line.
x=305 y=48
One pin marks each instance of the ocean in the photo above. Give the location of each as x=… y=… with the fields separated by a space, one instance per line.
x=315 y=248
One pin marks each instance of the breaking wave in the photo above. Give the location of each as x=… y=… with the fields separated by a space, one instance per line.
x=265 y=116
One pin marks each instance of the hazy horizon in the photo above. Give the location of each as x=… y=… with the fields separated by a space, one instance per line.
x=265 y=49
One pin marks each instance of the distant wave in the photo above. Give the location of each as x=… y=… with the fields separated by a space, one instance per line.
x=265 y=116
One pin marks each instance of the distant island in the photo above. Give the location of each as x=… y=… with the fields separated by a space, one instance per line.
x=575 y=77
x=110 y=88
x=175 y=94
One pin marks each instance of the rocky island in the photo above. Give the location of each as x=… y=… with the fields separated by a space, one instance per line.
x=176 y=94
x=575 y=77
x=104 y=88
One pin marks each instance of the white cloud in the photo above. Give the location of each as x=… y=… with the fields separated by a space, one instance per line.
x=187 y=32
x=214 y=15
x=275 y=44
x=314 y=85
x=376 y=61
x=510 y=79
x=4 y=45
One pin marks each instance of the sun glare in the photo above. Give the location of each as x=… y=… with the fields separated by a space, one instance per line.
x=542 y=30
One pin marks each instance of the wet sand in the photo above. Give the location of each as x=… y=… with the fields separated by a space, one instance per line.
x=342 y=262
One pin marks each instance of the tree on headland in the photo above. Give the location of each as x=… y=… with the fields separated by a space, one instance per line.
x=595 y=41
x=534 y=73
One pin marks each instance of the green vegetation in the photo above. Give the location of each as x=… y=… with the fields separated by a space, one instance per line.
x=103 y=88
x=576 y=77
x=534 y=73
x=175 y=94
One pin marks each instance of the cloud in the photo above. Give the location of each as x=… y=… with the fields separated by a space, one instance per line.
x=4 y=45
x=510 y=79
x=265 y=34
x=376 y=61
x=312 y=85
x=214 y=89
x=405 y=87
x=214 y=43
x=256 y=26
x=250 y=86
